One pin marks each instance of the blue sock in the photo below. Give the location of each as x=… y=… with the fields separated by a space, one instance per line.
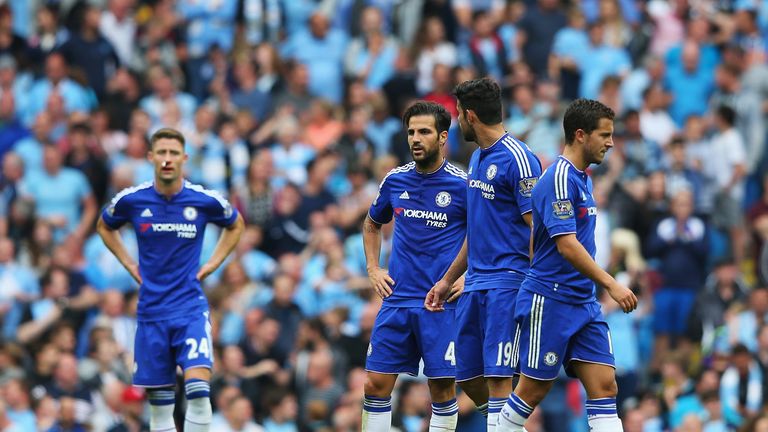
x=604 y=407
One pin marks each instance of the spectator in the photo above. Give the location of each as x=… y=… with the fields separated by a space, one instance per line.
x=371 y=56
x=599 y=61
x=88 y=51
x=729 y=165
x=321 y=48
x=118 y=27
x=537 y=28
x=679 y=242
x=432 y=49
x=282 y=411
x=239 y=417
x=74 y=97
x=741 y=387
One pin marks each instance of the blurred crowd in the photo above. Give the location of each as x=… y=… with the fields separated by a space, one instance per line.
x=291 y=108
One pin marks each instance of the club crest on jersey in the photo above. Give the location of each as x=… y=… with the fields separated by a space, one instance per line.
x=443 y=199
x=550 y=359
x=490 y=173
x=526 y=186
x=563 y=209
x=190 y=213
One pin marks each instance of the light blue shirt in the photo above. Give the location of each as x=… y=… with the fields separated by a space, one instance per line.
x=58 y=195
x=323 y=57
x=76 y=98
x=209 y=23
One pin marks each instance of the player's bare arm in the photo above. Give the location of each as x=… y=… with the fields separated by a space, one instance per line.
x=379 y=277
x=528 y=218
x=227 y=242
x=569 y=247
x=439 y=293
x=114 y=243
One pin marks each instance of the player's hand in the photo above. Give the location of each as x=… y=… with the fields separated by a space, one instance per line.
x=205 y=271
x=623 y=296
x=456 y=289
x=381 y=282
x=133 y=269
x=435 y=301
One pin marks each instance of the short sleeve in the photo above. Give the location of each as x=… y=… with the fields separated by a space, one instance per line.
x=117 y=212
x=219 y=211
x=523 y=174
x=381 y=207
x=557 y=210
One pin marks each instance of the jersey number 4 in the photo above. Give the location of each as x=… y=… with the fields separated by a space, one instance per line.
x=195 y=349
x=450 y=354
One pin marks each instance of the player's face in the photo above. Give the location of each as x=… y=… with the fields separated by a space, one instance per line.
x=424 y=141
x=467 y=131
x=168 y=156
x=599 y=141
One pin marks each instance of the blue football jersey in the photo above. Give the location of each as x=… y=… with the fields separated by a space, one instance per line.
x=430 y=212
x=501 y=178
x=169 y=233
x=562 y=204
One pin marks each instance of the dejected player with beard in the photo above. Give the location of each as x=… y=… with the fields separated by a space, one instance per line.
x=502 y=173
x=427 y=199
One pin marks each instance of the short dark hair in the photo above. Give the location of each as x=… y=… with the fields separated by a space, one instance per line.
x=727 y=114
x=584 y=114
x=166 y=133
x=437 y=111
x=483 y=96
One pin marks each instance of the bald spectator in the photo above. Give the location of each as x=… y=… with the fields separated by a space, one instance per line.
x=73 y=396
x=320 y=392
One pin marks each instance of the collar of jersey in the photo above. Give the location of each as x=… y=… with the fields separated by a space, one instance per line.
x=442 y=165
x=494 y=144
x=183 y=186
x=571 y=164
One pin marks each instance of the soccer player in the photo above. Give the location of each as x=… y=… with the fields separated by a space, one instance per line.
x=502 y=173
x=169 y=216
x=559 y=316
x=427 y=199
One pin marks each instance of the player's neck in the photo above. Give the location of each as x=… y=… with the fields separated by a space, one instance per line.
x=575 y=156
x=168 y=190
x=432 y=167
x=487 y=136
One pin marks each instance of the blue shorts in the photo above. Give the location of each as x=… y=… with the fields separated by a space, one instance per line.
x=484 y=342
x=404 y=335
x=162 y=345
x=671 y=309
x=552 y=333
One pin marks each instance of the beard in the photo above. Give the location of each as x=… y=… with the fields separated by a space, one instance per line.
x=428 y=159
x=468 y=133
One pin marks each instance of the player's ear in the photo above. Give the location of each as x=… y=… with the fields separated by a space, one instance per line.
x=443 y=138
x=580 y=136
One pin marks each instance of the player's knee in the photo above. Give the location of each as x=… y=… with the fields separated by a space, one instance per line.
x=605 y=388
x=378 y=386
x=442 y=390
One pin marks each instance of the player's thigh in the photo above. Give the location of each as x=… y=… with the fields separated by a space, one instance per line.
x=192 y=342
x=546 y=326
x=435 y=337
x=500 y=329
x=154 y=364
x=591 y=344
x=393 y=347
x=470 y=325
